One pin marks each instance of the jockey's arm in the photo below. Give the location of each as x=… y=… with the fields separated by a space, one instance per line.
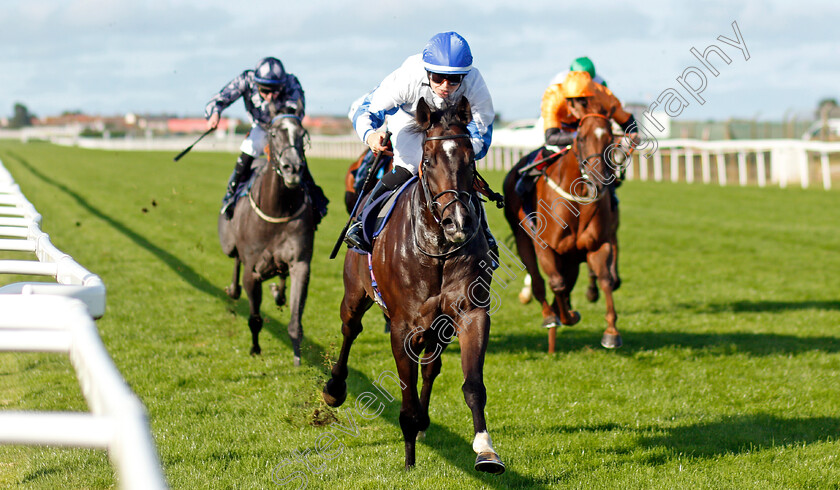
x=558 y=137
x=227 y=96
x=555 y=114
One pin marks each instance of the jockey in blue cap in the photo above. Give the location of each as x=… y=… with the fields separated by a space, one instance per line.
x=265 y=90
x=442 y=74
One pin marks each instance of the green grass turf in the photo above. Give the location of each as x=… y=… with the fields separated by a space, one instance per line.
x=728 y=377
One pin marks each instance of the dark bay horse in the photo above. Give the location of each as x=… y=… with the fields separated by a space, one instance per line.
x=573 y=222
x=431 y=265
x=272 y=230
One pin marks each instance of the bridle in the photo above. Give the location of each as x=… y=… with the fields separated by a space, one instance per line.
x=275 y=163
x=432 y=204
x=591 y=187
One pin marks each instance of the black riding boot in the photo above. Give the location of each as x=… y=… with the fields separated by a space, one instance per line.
x=389 y=182
x=613 y=197
x=241 y=172
x=319 y=200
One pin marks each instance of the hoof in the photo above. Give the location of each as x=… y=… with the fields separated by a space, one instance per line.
x=611 y=341
x=550 y=322
x=525 y=296
x=334 y=400
x=575 y=319
x=420 y=435
x=592 y=294
x=297 y=361
x=233 y=292
x=489 y=462
x=279 y=296
x=255 y=350
x=616 y=283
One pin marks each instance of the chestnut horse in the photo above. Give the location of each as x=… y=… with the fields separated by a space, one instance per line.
x=573 y=222
x=273 y=229
x=428 y=261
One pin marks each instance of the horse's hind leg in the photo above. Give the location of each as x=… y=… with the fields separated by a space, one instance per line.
x=353 y=307
x=253 y=288
x=234 y=291
x=601 y=261
x=411 y=412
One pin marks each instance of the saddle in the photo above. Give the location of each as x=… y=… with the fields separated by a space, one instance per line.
x=375 y=214
x=242 y=189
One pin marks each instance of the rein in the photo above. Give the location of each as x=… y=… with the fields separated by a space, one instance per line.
x=567 y=195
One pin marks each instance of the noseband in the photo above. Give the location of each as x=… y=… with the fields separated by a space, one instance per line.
x=432 y=203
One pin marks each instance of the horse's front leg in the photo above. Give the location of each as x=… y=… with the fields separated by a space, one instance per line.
x=353 y=307
x=278 y=290
x=530 y=257
x=562 y=280
x=473 y=338
x=600 y=261
x=253 y=288
x=234 y=290
x=299 y=274
x=592 y=289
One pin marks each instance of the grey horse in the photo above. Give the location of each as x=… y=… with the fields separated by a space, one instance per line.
x=273 y=229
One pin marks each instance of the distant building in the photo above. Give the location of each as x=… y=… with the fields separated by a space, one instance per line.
x=196 y=125
x=330 y=125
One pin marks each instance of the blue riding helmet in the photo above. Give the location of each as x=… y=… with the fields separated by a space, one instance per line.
x=447 y=52
x=270 y=72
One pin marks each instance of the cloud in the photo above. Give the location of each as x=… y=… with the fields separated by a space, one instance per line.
x=114 y=56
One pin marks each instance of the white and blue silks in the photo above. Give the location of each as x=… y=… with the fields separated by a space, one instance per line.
x=396 y=98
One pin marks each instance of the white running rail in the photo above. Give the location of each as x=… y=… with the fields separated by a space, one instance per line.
x=58 y=318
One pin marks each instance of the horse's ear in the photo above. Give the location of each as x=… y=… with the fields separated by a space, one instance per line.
x=424 y=114
x=299 y=108
x=464 y=111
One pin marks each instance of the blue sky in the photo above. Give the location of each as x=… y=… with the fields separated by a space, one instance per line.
x=116 y=56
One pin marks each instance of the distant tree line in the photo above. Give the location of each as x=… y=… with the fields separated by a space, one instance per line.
x=21 y=116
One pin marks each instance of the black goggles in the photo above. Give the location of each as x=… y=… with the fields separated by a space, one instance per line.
x=452 y=78
x=269 y=90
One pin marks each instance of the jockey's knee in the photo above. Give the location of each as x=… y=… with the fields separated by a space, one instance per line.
x=397 y=177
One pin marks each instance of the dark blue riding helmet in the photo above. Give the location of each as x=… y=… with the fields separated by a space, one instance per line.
x=270 y=72
x=447 y=52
